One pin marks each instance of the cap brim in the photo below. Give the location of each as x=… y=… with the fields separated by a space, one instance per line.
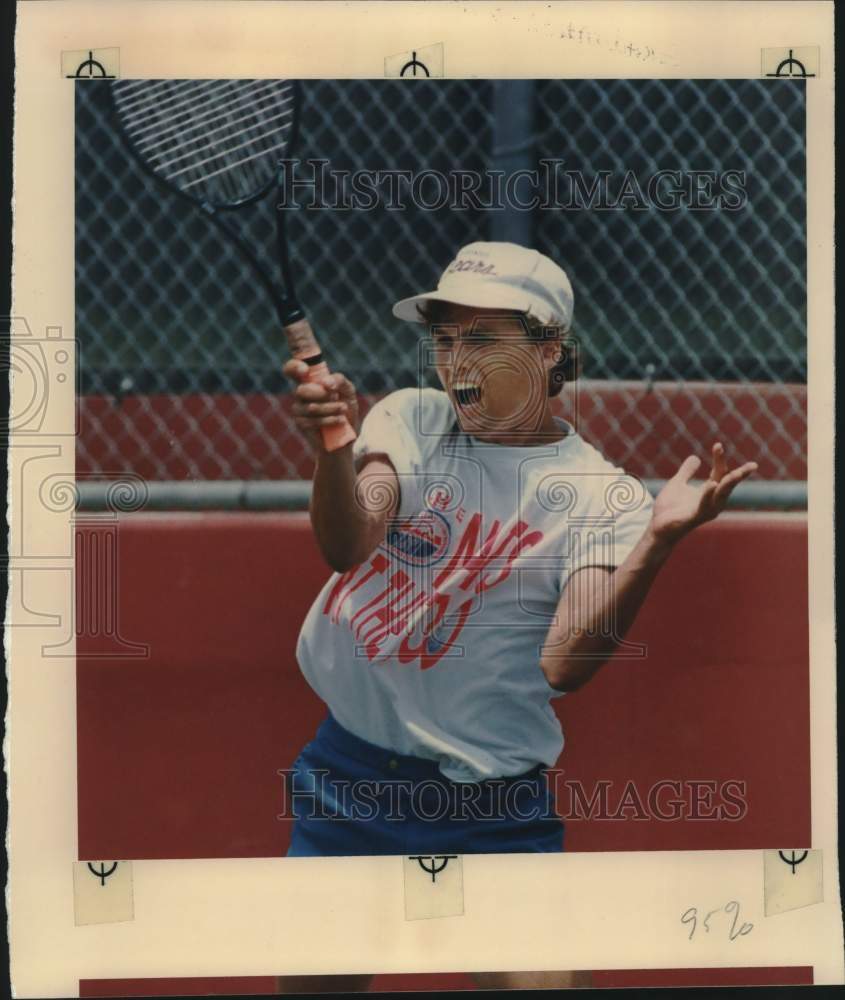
x=484 y=298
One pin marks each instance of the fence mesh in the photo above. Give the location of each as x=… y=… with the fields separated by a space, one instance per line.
x=692 y=322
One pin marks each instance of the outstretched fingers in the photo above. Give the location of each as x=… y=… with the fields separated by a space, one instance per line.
x=732 y=479
x=720 y=465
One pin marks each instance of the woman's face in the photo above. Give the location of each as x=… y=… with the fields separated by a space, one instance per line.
x=495 y=375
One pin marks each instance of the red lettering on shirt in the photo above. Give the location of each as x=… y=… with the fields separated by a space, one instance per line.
x=404 y=604
x=440 y=602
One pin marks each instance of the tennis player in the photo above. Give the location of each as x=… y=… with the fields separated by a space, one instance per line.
x=487 y=560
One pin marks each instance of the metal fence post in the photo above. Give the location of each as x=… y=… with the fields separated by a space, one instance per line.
x=513 y=150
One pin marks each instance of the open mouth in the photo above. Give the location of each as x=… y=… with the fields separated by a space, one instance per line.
x=466 y=393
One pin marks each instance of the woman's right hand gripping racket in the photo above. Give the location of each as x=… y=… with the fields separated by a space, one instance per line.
x=220 y=143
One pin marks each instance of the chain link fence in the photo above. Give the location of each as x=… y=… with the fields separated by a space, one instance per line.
x=691 y=321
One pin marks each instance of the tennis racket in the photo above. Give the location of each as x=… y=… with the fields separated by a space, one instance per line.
x=219 y=143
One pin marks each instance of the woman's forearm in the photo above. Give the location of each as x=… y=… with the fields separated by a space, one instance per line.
x=347 y=526
x=595 y=612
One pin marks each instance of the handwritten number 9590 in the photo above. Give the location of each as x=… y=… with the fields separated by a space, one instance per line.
x=737 y=927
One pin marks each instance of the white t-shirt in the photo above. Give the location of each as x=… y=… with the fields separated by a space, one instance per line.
x=431 y=646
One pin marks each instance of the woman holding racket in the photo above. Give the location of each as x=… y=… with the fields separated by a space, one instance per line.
x=487 y=560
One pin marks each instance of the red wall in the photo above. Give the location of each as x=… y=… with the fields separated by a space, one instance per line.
x=178 y=749
x=167 y=436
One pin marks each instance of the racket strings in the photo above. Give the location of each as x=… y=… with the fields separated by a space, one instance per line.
x=217 y=140
x=173 y=146
x=140 y=97
x=194 y=165
x=155 y=97
x=163 y=115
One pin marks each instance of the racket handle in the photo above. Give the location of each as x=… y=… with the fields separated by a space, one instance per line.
x=335 y=436
x=303 y=346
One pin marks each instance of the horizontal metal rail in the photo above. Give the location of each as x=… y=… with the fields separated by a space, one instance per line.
x=134 y=494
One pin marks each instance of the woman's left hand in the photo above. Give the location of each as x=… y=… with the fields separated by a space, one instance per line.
x=682 y=504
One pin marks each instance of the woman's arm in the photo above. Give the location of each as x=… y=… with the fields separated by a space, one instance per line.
x=597 y=607
x=598 y=604
x=349 y=512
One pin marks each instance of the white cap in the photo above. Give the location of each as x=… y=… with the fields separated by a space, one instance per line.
x=500 y=276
